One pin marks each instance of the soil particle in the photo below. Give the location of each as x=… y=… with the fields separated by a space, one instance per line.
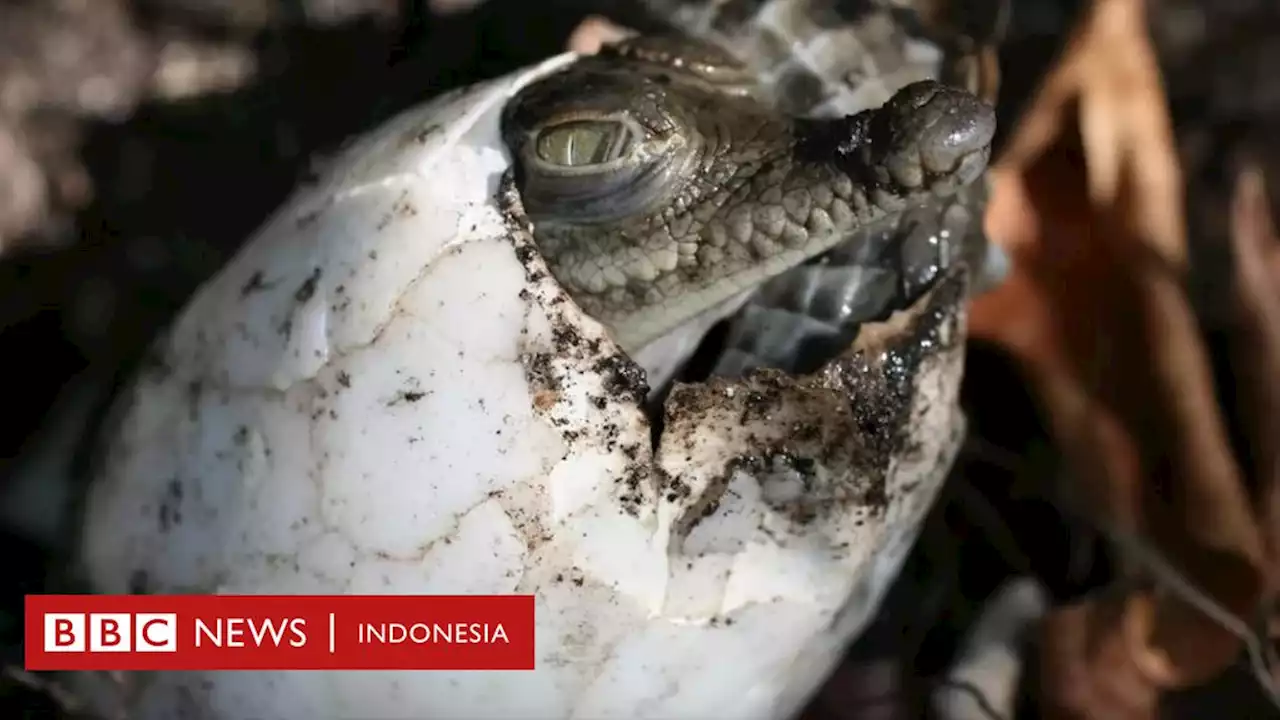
x=824 y=442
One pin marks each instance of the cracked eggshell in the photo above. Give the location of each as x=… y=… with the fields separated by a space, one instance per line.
x=386 y=392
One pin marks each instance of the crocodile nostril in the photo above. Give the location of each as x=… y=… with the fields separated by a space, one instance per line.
x=915 y=95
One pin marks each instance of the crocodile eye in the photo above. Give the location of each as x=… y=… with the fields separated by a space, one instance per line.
x=583 y=143
x=592 y=164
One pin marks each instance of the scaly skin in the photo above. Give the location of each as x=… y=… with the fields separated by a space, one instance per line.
x=716 y=192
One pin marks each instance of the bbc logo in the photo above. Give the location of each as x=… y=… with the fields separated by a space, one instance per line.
x=110 y=632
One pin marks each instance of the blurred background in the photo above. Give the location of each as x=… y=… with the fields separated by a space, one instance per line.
x=142 y=140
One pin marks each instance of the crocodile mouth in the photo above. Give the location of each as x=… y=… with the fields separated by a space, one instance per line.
x=800 y=320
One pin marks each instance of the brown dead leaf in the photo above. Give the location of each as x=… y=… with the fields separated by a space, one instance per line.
x=1088 y=202
x=1076 y=689
x=1256 y=343
x=593 y=33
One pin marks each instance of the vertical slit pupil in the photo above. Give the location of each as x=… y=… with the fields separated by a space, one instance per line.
x=583 y=143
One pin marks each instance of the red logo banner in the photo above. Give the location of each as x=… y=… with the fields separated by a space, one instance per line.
x=278 y=632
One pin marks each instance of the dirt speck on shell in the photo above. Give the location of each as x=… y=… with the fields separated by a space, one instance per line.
x=854 y=415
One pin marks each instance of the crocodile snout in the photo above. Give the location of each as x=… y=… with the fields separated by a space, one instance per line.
x=935 y=137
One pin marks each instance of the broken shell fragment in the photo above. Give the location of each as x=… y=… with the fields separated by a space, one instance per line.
x=387 y=392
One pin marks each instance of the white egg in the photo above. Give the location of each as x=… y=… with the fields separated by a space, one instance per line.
x=386 y=392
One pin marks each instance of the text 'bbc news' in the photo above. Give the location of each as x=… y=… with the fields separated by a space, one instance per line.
x=228 y=632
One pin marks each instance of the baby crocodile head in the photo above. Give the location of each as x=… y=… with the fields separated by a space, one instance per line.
x=660 y=187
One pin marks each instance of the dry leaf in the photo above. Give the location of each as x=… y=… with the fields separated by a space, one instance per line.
x=1256 y=343
x=1088 y=203
x=1077 y=690
x=593 y=33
